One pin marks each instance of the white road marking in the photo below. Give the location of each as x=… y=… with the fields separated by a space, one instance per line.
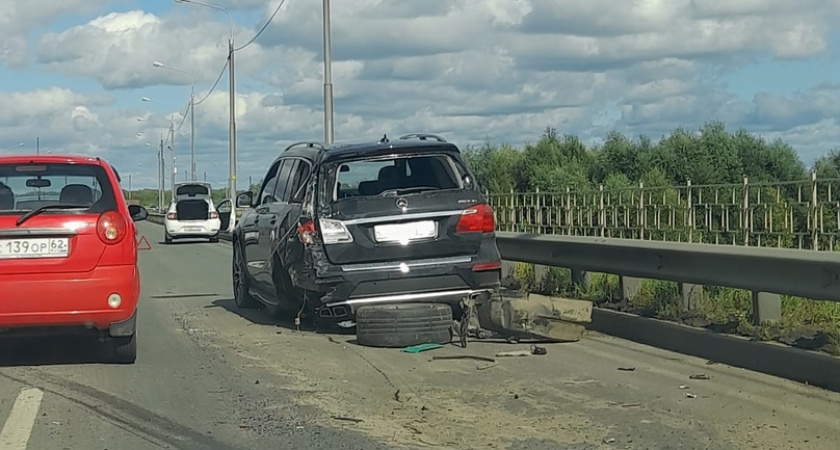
x=18 y=427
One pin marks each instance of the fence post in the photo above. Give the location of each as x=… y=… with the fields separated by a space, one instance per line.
x=745 y=213
x=602 y=212
x=642 y=217
x=814 y=222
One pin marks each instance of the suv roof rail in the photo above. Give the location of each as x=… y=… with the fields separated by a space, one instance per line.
x=422 y=137
x=309 y=144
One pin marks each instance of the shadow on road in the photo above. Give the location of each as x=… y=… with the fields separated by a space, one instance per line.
x=43 y=351
x=283 y=318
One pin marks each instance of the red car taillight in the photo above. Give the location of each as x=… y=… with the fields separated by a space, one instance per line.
x=307 y=232
x=476 y=218
x=214 y=215
x=111 y=227
x=170 y=216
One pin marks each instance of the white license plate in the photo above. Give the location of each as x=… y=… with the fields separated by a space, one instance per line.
x=34 y=248
x=405 y=231
x=194 y=229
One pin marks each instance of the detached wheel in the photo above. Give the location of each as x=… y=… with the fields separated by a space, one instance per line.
x=123 y=350
x=241 y=297
x=403 y=325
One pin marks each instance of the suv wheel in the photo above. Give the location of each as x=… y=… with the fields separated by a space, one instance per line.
x=404 y=325
x=241 y=297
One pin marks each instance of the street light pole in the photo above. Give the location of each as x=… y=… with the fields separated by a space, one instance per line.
x=160 y=175
x=192 y=132
x=192 y=113
x=328 y=86
x=232 y=132
x=232 y=93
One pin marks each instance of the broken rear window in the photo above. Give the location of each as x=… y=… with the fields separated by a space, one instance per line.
x=398 y=175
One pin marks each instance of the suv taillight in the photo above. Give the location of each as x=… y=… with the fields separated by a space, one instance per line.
x=111 y=227
x=476 y=218
x=214 y=215
x=170 y=216
x=306 y=231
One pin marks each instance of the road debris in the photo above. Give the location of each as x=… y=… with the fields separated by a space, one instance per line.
x=513 y=353
x=348 y=419
x=627 y=369
x=690 y=395
x=451 y=357
x=420 y=348
x=699 y=376
x=683 y=386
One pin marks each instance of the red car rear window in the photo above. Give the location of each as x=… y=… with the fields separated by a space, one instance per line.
x=24 y=187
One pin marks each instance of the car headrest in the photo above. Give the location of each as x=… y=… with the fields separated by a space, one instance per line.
x=7 y=197
x=76 y=194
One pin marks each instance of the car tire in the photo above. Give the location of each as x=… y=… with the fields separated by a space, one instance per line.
x=214 y=239
x=166 y=238
x=241 y=285
x=404 y=325
x=123 y=350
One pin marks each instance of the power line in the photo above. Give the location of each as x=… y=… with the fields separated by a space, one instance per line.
x=276 y=10
x=216 y=83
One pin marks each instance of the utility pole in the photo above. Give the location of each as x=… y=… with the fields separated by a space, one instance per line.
x=328 y=86
x=172 y=149
x=37 y=145
x=161 y=174
x=232 y=131
x=192 y=132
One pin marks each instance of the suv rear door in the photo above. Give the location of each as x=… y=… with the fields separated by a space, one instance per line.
x=402 y=207
x=61 y=239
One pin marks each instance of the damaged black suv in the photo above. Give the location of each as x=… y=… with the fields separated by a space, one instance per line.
x=395 y=231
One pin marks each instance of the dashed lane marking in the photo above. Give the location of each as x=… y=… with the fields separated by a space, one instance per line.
x=18 y=427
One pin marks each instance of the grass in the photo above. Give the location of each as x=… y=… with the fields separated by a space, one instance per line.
x=805 y=323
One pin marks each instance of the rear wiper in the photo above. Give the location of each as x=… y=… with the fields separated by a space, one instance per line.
x=37 y=211
x=390 y=192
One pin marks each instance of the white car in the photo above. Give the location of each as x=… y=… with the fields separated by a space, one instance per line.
x=192 y=214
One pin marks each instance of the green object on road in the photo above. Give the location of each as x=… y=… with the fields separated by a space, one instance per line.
x=420 y=348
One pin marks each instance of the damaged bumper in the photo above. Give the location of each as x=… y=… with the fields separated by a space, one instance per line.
x=517 y=316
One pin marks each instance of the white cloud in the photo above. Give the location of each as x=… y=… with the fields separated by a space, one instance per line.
x=499 y=69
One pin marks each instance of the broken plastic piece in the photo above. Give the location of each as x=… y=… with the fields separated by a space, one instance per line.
x=420 y=348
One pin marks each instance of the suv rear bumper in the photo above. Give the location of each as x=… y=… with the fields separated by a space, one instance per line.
x=71 y=300
x=445 y=280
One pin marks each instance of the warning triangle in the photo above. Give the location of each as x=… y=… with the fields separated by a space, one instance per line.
x=143 y=244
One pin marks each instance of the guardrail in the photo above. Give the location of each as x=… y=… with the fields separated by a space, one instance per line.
x=767 y=272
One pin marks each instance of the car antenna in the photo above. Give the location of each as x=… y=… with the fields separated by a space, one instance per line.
x=384 y=139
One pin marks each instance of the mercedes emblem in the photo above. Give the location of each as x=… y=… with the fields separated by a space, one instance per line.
x=402 y=203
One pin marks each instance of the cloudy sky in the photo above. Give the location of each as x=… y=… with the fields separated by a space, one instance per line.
x=74 y=72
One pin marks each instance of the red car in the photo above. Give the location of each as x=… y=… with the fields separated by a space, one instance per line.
x=68 y=254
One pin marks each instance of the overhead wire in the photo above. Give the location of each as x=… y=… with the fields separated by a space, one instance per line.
x=267 y=23
x=225 y=67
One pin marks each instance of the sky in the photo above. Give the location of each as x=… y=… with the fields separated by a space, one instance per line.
x=74 y=73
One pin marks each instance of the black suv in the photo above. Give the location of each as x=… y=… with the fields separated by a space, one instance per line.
x=336 y=229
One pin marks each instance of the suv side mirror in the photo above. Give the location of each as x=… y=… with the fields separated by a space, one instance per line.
x=245 y=200
x=138 y=212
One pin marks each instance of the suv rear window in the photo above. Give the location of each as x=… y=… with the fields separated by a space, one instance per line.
x=192 y=190
x=24 y=187
x=362 y=178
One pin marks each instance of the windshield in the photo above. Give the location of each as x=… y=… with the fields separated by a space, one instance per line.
x=360 y=178
x=25 y=187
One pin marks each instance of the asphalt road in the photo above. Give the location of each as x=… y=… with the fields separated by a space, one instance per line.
x=208 y=377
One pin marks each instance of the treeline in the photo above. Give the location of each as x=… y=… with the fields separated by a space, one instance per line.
x=710 y=156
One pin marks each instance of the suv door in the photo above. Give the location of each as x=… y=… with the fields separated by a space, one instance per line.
x=252 y=252
x=269 y=215
x=290 y=249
